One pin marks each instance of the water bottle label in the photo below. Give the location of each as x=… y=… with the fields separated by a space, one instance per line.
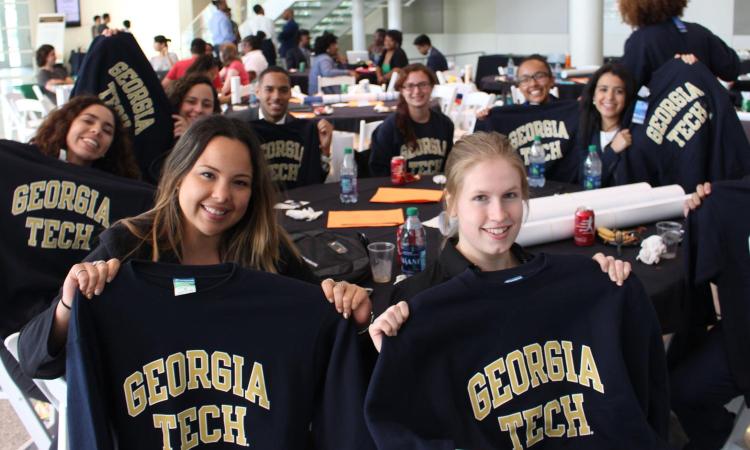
x=592 y=182
x=536 y=170
x=347 y=185
x=413 y=260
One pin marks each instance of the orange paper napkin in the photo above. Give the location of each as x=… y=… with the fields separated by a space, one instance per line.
x=356 y=219
x=406 y=195
x=303 y=115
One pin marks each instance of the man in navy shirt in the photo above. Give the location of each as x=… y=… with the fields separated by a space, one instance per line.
x=435 y=60
x=288 y=35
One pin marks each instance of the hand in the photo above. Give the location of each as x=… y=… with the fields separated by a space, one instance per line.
x=618 y=270
x=89 y=278
x=687 y=58
x=325 y=135
x=181 y=124
x=622 y=141
x=482 y=113
x=701 y=191
x=349 y=299
x=388 y=323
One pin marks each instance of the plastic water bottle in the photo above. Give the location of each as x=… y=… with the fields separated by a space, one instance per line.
x=413 y=244
x=348 y=174
x=536 y=163
x=557 y=71
x=592 y=170
x=510 y=69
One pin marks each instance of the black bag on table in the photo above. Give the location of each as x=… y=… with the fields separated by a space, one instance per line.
x=334 y=255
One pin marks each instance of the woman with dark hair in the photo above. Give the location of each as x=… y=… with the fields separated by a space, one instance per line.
x=232 y=67
x=421 y=135
x=605 y=98
x=214 y=204
x=192 y=97
x=208 y=66
x=87 y=132
x=323 y=64
x=661 y=35
x=50 y=74
x=393 y=56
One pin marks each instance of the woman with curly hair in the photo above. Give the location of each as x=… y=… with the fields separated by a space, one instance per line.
x=87 y=132
x=661 y=35
x=192 y=97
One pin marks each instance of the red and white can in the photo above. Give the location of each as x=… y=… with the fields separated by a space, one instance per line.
x=584 y=230
x=398 y=170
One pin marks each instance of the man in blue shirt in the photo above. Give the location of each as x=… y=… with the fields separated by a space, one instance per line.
x=220 y=25
x=323 y=63
x=435 y=60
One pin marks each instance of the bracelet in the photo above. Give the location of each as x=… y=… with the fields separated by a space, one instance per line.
x=365 y=329
x=64 y=305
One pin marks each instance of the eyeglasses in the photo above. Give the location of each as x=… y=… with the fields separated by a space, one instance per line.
x=422 y=85
x=539 y=76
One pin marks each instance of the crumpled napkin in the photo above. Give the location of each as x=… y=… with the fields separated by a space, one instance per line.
x=439 y=179
x=290 y=204
x=651 y=250
x=307 y=214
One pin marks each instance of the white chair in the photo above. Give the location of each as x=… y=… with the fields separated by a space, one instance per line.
x=476 y=101
x=339 y=141
x=392 y=82
x=446 y=93
x=46 y=102
x=26 y=115
x=448 y=76
x=334 y=81
x=365 y=133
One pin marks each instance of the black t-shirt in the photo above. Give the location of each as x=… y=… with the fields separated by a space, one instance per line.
x=718 y=251
x=116 y=70
x=398 y=59
x=651 y=46
x=555 y=122
x=691 y=132
x=292 y=151
x=434 y=142
x=241 y=357
x=54 y=212
x=530 y=354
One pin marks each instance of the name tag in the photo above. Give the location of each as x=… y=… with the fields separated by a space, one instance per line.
x=639 y=113
x=183 y=286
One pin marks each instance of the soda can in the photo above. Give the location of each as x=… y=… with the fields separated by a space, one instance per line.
x=584 y=230
x=398 y=170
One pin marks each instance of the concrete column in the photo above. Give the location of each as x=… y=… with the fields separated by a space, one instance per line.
x=585 y=23
x=358 y=25
x=394 y=14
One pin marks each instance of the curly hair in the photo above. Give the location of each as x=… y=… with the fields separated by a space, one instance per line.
x=52 y=134
x=640 y=13
x=181 y=87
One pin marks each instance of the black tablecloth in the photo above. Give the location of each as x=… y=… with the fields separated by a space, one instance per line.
x=493 y=85
x=663 y=282
x=347 y=118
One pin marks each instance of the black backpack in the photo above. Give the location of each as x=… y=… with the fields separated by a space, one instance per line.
x=334 y=255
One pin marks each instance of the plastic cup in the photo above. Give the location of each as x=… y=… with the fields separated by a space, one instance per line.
x=381 y=261
x=671 y=235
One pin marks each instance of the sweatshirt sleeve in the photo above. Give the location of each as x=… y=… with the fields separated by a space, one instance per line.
x=382 y=148
x=723 y=62
x=636 y=60
x=610 y=159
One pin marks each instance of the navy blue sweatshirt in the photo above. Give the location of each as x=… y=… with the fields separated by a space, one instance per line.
x=651 y=46
x=521 y=356
x=54 y=213
x=434 y=142
x=116 y=70
x=691 y=132
x=250 y=359
x=718 y=250
x=556 y=122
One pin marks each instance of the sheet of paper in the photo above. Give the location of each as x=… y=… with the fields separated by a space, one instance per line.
x=406 y=195
x=357 y=219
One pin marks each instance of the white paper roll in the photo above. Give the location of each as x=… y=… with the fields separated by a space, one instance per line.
x=555 y=229
x=329 y=99
x=564 y=205
x=234 y=84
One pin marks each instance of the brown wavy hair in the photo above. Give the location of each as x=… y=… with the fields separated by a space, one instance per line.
x=179 y=89
x=403 y=121
x=51 y=136
x=255 y=241
x=640 y=13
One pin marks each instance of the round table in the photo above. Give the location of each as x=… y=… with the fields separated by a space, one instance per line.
x=664 y=283
x=496 y=85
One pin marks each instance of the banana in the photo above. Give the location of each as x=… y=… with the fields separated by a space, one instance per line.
x=605 y=233
x=625 y=237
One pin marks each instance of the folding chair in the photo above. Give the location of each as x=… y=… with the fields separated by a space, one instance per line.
x=26 y=115
x=365 y=133
x=339 y=141
x=334 y=81
x=446 y=93
x=46 y=102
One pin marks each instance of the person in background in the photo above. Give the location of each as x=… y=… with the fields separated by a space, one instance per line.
x=235 y=28
x=288 y=35
x=87 y=132
x=608 y=94
x=534 y=80
x=660 y=35
x=393 y=56
x=197 y=48
x=267 y=47
x=192 y=97
x=95 y=26
x=252 y=57
x=165 y=59
x=435 y=60
x=300 y=53
x=323 y=63
x=126 y=26
x=259 y=22
x=219 y=24
x=232 y=67
x=50 y=74
x=208 y=66
x=104 y=25
x=376 y=48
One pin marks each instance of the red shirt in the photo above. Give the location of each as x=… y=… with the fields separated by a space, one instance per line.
x=180 y=67
x=238 y=67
